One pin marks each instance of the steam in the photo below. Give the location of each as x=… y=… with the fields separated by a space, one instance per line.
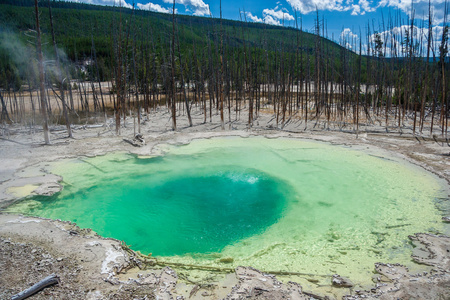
x=20 y=51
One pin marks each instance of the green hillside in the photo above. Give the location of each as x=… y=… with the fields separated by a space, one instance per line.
x=80 y=26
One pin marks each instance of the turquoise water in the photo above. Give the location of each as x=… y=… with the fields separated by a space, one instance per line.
x=275 y=204
x=182 y=214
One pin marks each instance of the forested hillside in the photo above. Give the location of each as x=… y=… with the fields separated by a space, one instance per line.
x=79 y=26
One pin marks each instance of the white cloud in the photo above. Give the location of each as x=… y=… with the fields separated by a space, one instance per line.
x=365 y=5
x=420 y=7
x=351 y=41
x=307 y=6
x=254 y=18
x=272 y=16
x=348 y=35
x=271 y=20
x=199 y=7
x=278 y=14
x=356 y=10
x=404 y=5
x=268 y=19
x=105 y=2
x=394 y=39
x=154 y=7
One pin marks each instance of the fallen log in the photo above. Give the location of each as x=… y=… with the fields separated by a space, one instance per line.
x=137 y=141
x=47 y=281
x=132 y=142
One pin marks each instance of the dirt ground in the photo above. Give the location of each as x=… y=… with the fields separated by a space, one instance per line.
x=92 y=267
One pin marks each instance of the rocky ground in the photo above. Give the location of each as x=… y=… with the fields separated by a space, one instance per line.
x=92 y=267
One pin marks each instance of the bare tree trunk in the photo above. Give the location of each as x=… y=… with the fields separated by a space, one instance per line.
x=41 y=75
x=444 y=103
x=174 y=114
x=425 y=85
x=98 y=75
x=119 y=79
x=222 y=122
x=358 y=87
x=4 y=109
x=47 y=281
x=186 y=103
x=136 y=87
x=61 y=79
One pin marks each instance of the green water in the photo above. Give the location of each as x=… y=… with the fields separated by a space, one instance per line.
x=275 y=204
x=181 y=213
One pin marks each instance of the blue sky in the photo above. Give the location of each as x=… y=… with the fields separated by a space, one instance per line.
x=345 y=19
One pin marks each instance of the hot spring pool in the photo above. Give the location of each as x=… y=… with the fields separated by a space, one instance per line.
x=274 y=204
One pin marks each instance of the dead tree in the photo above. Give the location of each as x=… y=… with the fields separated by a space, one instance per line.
x=427 y=62
x=41 y=75
x=60 y=73
x=174 y=107
x=188 y=109
x=4 y=109
x=443 y=50
x=221 y=71
x=46 y=282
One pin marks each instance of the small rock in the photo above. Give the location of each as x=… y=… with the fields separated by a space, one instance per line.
x=227 y=260
x=339 y=281
x=93 y=244
x=48 y=189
